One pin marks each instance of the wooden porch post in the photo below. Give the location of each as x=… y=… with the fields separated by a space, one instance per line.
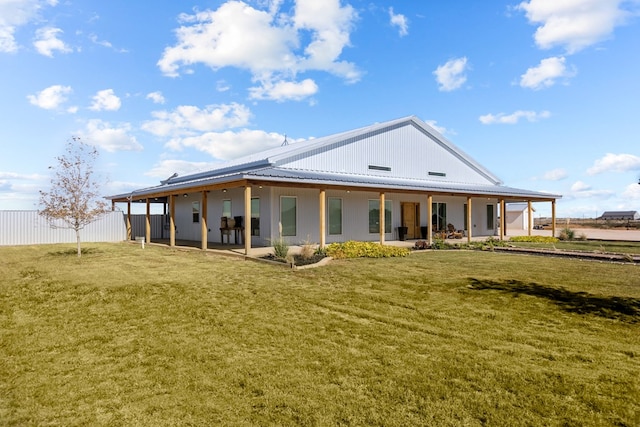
x=529 y=217
x=247 y=220
x=128 y=219
x=381 y=218
x=172 y=220
x=147 y=222
x=469 y=224
x=502 y=218
x=203 y=222
x=429 y=219
x=553 y=218
x=322 y=214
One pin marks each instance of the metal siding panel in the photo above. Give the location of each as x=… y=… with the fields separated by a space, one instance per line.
x=406 y=150
x=29 y=228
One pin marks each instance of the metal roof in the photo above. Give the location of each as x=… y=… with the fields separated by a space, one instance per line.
x=271 y=165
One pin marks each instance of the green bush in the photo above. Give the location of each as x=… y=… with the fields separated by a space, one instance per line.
x=280 y=248
x=534 y=239
x=353 y=249
x=567 y=234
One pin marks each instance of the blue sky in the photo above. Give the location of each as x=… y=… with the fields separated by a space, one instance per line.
x=544 y=93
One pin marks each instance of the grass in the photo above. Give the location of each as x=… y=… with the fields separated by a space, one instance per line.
x=156 y=337
x=622 y=247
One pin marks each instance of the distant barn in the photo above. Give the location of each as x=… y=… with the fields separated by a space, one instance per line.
x=624 y=215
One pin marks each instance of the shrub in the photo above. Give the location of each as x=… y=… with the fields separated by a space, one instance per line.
x=352 y=249
x=280 y=248
x=534 y=239
x=438 y=243
x=307 y=249
x=566 y=234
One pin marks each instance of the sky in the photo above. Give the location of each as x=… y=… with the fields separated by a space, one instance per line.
x=544 y=93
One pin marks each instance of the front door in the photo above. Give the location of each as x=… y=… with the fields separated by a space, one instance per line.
x=411 y=219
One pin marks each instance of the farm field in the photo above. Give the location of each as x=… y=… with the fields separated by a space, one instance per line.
x=155 y=337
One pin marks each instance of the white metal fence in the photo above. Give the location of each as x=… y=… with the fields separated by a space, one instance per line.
x=29 y=228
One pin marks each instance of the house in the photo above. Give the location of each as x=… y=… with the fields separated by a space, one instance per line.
x=334 y=189
x=620 y=215
x=517 y=216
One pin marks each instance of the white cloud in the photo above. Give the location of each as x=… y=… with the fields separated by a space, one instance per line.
x=400 y=21
x=632 y=192
x=580 y=186
x=50 y=98
x=555 y=175
x=268 y=43
x=573 y=24
x=47 y=41
x=615 y=163
x=513 y=118
x=222 y=86
x=105 y=100
x=14 y=14
x=188 y=120
x=156 y=97
x=166 y=168
x=111 y=138
x=546 y=73
x=581 y=190
x=229 y=145
x=450 y=76
x=282 y=91
x=434 y=124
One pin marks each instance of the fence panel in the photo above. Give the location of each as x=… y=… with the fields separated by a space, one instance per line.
x=29 y=228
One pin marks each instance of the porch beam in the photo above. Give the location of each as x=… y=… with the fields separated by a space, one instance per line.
x=147 y=222
x=381 y=218
x=529 y=218
x=128 y=219
x=322 y=214
x=203 y=220
x=469 y=224
x=247 y=220
x=502 y=218
x=429 y=219
x=172 y=220
x=553 y=218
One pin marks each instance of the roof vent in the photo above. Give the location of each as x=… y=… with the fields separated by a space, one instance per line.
x=379 y=168
x=432 y=173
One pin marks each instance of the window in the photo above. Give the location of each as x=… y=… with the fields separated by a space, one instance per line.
x=490 y=219
x=335 y=215
x=379 y=168
x=195 y=211
x=374 y=216
x=439 y=218
x=255 y=217
x=226 y=208
x=288 y=215
x=466 y=217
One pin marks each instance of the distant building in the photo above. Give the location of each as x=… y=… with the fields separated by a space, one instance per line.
x=624 y=215
x=517 y=216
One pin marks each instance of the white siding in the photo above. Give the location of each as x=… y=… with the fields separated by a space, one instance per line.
x=29 y=228
x=406 y=150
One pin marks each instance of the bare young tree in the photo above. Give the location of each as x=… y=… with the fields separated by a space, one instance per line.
x=73 y=200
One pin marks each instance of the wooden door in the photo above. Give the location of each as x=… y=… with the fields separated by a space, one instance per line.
x=411 y=219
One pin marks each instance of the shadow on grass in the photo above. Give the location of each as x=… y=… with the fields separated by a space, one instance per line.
x=74 y=252
x=620 y=308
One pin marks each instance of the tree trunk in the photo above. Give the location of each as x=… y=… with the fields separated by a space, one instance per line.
x=78 y=243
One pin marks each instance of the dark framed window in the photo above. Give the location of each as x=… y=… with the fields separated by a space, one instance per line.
x=490 y=218
x=255 y=216
x=374 y=216
x=288 y=215
x=335 y=215
x=195 y=211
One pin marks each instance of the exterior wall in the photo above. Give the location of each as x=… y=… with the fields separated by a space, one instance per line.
x=29 y=228
x=408 y=151
x=516 y=220
x=355 y=214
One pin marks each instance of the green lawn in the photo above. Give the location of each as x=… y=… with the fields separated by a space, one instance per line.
x=158 y=337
